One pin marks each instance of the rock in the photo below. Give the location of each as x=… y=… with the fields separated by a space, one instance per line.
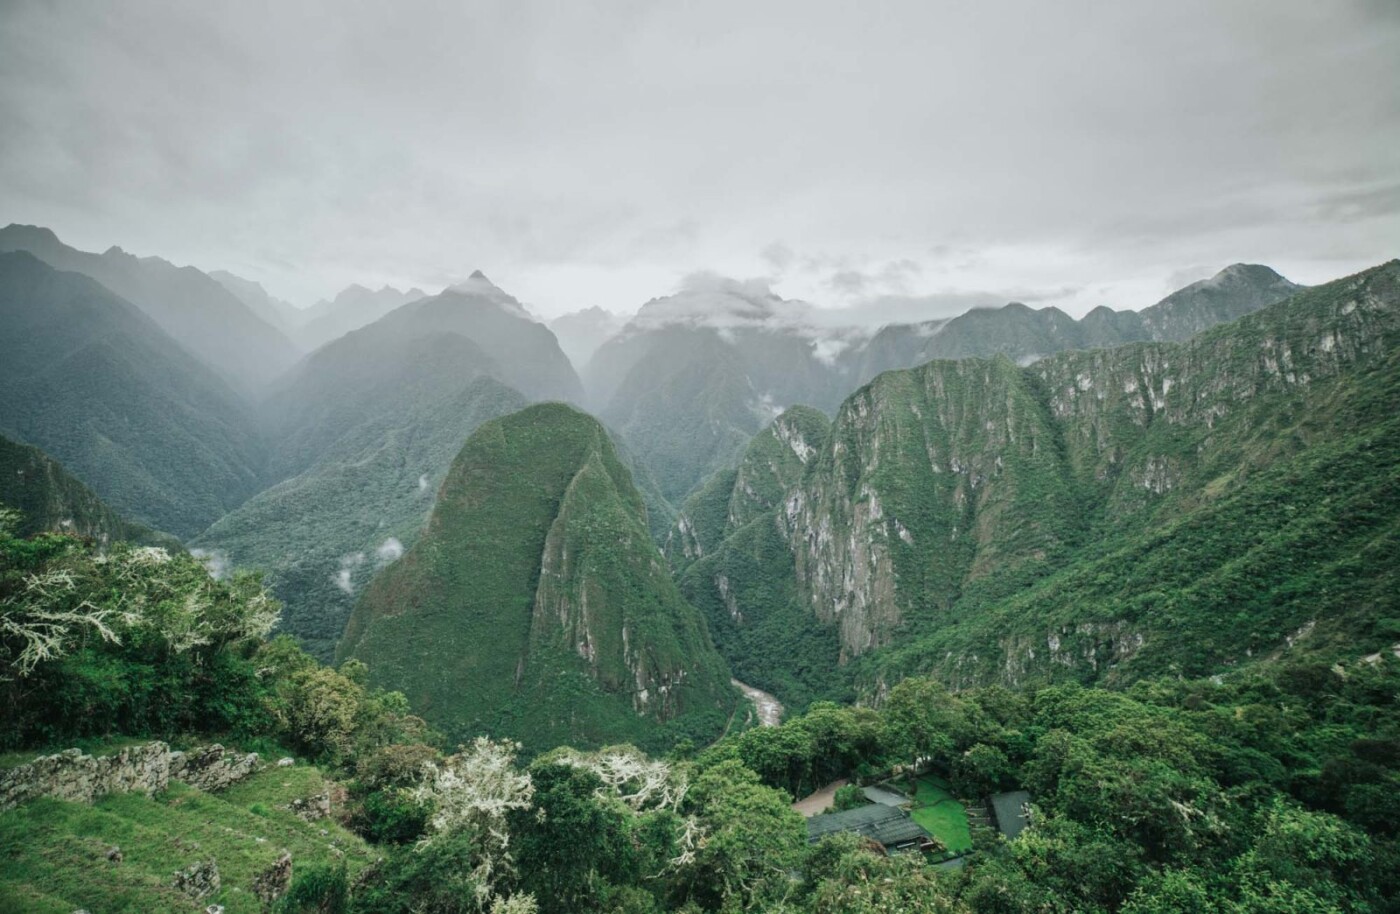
x=214 y=909
x=199 y=881
x=272 y=883
x=74 y=776
x=212 y=767
x=114 y=854
x=286 y=762
x=312 y=809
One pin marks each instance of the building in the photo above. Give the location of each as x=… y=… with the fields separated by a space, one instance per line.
x=888 y=826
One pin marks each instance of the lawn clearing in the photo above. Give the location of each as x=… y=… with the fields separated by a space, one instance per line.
x=942 y=816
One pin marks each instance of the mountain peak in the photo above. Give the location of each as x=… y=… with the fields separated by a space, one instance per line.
x=24 y=235
x=477 y=274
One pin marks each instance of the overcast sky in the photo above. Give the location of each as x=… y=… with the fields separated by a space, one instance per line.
x=898 y=156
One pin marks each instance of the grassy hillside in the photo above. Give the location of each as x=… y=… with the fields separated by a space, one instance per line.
x=53 y=853
x=535 y=604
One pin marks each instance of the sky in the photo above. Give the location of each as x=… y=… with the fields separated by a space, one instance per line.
x=893 y=159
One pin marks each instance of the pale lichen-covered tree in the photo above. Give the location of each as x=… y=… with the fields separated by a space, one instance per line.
x=472 y=793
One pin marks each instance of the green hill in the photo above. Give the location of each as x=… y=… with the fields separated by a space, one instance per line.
x=49 y=499
x=1097 y=515
x=535 y=604
x=94 y=382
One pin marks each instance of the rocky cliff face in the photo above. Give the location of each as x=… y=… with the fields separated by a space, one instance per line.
x=1098 y=512
x=775 y=460
x=535 y=604
x=931 y=479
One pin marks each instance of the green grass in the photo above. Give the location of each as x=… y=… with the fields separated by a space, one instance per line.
x=944 y=817
x=53 y=853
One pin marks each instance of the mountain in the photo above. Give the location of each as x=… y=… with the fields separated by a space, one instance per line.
x=364 y=429
x=49 y=499
x=695 y=375
x=1097 y=515
x=774 y=461
x=279 y=313
x=1026 y=334
x=195 y=310
x=580 y=333
x=352 y=308
x=535 y=604
x=89 y=378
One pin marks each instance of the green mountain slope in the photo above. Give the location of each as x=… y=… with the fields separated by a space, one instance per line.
x=52 y=500
x=1100 y=514
x=773 y=462
x=196 y=310
x=95 y=383
x=535 y=605
x=364 y=430
x=695 y=374
x=321 y=533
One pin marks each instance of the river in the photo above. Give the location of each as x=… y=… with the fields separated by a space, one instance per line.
x=770 y=710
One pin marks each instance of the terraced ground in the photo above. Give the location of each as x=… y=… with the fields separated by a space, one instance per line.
x=51 y=851
x=944 y=817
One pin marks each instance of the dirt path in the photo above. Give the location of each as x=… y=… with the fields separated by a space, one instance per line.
x=819 y=802
x=770 y=710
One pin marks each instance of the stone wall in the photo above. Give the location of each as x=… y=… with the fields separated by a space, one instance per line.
x=80 y=778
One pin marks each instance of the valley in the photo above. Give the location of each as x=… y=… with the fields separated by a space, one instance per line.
x=981 y=558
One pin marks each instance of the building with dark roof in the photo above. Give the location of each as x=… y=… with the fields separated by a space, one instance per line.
x=888 y=826
x=1010 y=811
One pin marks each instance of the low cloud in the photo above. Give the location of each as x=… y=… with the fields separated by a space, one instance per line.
x=215 y=560
x=390 y=550
x=344 y=578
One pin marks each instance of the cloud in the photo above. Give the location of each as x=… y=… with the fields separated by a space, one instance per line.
x=389 y=551
x=585 y=153
x=344 y=577
x=216 y=560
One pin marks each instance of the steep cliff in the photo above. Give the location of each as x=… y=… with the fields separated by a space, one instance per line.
x=1103 y=513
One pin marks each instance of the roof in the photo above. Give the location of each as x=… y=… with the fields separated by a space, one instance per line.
x=1009 y=808
x=886 y=824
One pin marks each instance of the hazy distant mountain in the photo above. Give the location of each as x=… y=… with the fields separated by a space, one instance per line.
x=694 y=375
x=580 y=333
x=50 y=499
x=363 y=430
x=1026 y=334
x=89 y=378
x=352 y=308
x=195 y=310
x=536 y=606
x=281 y=314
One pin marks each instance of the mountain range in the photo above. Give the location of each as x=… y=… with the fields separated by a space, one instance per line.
x=1098 y=515
x=95 y=382
x=693 y=376
x=195 y=310
x=363 y=431
x=1007 y=496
